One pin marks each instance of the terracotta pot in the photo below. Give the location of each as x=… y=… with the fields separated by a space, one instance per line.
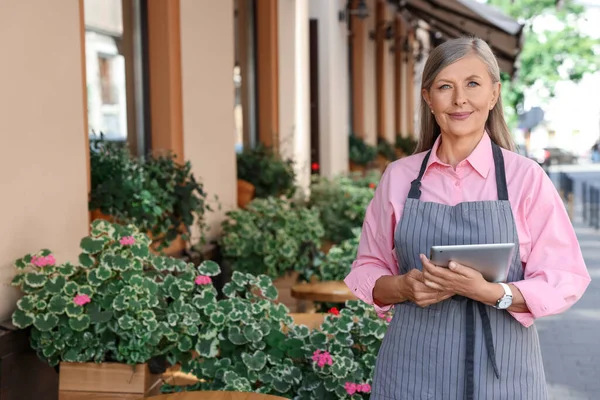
x=245 y=191
x=357 y=168
x=106 y=380
x=399 y=153
x=326 y=245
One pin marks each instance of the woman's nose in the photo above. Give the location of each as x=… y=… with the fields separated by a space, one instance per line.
x=460 y=97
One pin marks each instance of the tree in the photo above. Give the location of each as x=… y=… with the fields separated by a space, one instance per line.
x=548 y=55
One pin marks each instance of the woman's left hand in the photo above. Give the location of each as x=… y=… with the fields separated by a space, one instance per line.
x=457 y=278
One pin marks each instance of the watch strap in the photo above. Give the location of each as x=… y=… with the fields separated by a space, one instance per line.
x=507 y=291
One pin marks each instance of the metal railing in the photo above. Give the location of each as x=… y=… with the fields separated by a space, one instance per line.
x=590 y=197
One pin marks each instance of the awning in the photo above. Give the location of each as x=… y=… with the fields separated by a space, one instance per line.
x=454 y=18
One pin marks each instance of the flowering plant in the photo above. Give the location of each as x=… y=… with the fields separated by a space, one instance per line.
x=119 y=303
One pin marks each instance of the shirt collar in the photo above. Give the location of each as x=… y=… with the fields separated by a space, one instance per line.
x=480 y=158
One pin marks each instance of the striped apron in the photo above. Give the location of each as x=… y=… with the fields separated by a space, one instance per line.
x=457 y=349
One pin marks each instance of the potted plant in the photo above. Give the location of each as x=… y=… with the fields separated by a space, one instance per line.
x=336 y=264
x=360 y=153
x=342 y=204
x=119 y=310
x=274 y=237
x=405 y=145
x=385 y=153
x=266 y=172
x=159 y=195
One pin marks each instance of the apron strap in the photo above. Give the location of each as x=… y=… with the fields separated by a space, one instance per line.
x=489 y=345
x=501 y=186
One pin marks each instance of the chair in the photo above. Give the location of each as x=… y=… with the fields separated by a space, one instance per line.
x=215 y=396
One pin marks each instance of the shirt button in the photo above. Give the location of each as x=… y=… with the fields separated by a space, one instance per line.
x=457 y=183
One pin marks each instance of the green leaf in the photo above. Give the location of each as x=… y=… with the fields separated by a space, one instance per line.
x=172 y=319
x=99 y=317
x=218 y=318
x=185 y=343
x=35 y=280
x=92 y=245
x=140 y=250
x=45 y=322
x=55 y=284
x=86 y=260
x=271 y=293
x=104 y=273
x=203 y=299
x=120 y=303
x=253 y=333
x=318 y=339
x=92 y=277
x=71 y=288
x=256 y=361
x=229 y=289
x=27 y=303
x=79 y=323
x=126 y=322
x=209 y=268
x=66 y=269
x=73 y=310
x=235 y=335
x=208 y=348
x=22 y=319
x=58 y=304
x=120 y=263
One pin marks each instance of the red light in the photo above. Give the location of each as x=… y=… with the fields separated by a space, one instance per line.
x=314 y=166
x=546 y=154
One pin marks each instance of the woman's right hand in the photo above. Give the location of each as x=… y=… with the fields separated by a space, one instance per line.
x=393 y=289
x=419 y=293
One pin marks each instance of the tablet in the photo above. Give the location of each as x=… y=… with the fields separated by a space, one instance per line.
x=492 y=260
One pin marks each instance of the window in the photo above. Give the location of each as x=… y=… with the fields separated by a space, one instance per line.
x=115 y=71
x=244 y=74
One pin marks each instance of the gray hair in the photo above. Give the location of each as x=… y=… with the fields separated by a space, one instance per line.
x=448 y=53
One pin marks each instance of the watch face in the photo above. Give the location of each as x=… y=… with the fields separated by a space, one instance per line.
x=504 y=302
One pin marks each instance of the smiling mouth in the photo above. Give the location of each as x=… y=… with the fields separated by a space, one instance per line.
x=460 y=115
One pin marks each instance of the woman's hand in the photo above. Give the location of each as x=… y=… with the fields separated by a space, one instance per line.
x=422 y=295
x=457 y=278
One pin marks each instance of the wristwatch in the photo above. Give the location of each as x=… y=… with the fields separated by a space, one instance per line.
x=505 y=301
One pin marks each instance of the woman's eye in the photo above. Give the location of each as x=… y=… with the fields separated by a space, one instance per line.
x=473 y=84
x=445 y=86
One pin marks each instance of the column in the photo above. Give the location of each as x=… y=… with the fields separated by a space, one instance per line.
x=333 y=86
x=208 y=98
x=43 y=170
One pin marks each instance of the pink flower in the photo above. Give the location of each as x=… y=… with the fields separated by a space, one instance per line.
x=384 y=316
x=351 y=388
x=365 y=388
x=81 y=299
x=322 y=358
x=203 y=280
x=43 y=261
x=127 y=240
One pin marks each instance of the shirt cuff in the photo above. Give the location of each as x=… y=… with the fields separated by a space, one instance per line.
x=361 y=281
x=541 y=299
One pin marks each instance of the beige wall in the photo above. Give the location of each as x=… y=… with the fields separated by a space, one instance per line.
x=333 y=86
x=370 y=99
x=43 y=172
x=294 y=128
x=207 y=82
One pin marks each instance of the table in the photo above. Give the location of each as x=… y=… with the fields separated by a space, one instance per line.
x=326 y=291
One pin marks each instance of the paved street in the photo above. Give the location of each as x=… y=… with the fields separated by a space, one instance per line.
x=571 y=341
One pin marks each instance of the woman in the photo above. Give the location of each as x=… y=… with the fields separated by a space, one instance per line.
x=454 y=335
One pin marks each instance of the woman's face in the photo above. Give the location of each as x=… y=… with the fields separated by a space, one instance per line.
x=462 y=96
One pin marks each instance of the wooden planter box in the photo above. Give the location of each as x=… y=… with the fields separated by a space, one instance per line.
x=92 y=381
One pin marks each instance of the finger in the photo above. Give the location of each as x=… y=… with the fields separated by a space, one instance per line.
x=462 y=270
x=433 y=269
x=433 y=285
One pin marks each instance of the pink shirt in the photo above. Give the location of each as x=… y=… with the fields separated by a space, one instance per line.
x=555 y=272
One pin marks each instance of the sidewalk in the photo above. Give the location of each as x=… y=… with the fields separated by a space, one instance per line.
x=571 y=341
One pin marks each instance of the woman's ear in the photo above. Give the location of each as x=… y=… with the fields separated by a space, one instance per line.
x=425 y=94
x=496 y=94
